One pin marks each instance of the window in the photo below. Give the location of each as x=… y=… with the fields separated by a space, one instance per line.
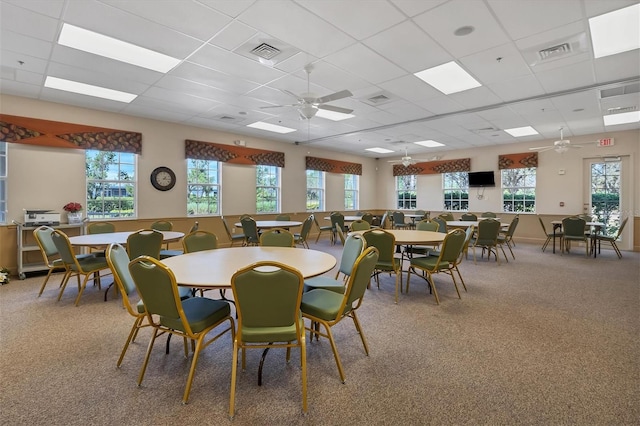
x=203 y=187
x=406 y=191
x=3 y=182
x=351 y=188
x=267 y=189
x=315 y=190
x=605 y=194
x=455 y=187
x=519 y=190
x=111 y=183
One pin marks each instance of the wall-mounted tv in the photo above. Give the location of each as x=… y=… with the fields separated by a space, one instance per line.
x=481 y=179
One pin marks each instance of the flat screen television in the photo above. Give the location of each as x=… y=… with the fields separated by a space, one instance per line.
x=481 y=179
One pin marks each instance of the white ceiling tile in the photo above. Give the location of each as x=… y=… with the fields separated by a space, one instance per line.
x=233 y=35
x=441 y=22
x=189 y=18
x=517 y=88
x=52 y=8
x=102 y=79
x=524 y=18
x=296 y=26
x=213 y=78
x=12 y=60
x=595 y=7
x=405 y=44
x=360 y=18
x=23 y=21
x=473 y=98
x=500 y=63
x=17 y=88
x=369 y=65
x=23 y=45
x=230 y=8
x=156 y=113
x=411 y=88
x=569 y=77
x=615 y=67
x=181 y=101
x=441 y=105
x=415 y=7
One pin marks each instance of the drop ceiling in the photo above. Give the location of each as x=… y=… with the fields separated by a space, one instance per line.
x=370 y=47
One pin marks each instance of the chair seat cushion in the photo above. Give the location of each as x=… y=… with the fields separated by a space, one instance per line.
x=324 y=282
x=170 y=253
x=201 y=312
x=429 y=263
x=92 y=263
x=321 y=303
x=270 y=334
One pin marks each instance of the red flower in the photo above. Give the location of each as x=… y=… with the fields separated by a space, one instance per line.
x=72 y=207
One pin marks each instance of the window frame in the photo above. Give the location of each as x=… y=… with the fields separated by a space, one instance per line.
x=206 y=181
x=319 y=176
x=411 y=190
x=129 y=184
x=4 y=155
x=354 y=192
x=274 y=187
x=523 y=190
x=449 y=188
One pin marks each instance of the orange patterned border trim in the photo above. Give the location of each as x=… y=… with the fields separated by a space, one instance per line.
x=518 y=161
x=58 y=134
x=333 y=166
x=199 y=150
x=433 y=167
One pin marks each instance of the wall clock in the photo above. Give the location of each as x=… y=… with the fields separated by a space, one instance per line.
x=163 y=178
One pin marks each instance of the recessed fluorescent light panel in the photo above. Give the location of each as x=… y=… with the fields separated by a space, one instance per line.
x=623 y=118
x=518 y=132
x=332 y=115
x=448 y=78
x=615 y=32
x=98 y=44
x=88 y=89
x=270 y=127
x=429 y=143
x=379 y=150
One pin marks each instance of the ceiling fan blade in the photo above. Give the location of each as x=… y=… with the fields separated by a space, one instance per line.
x=279 y=106
x=291 y=94
x=542 y=148
x=334 y=96
x=335 y=109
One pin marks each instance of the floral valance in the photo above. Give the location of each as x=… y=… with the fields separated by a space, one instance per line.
x=58 y=134
x=433 y=167
x=232 y=154
x=333 y=166
x=518 y=161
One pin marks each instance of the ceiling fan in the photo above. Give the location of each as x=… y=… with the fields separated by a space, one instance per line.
x=309 y=103
x=560 y=146
x=407 y=160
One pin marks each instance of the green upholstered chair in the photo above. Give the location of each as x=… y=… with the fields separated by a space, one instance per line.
x=359 y=225
x=368 y=217
x=250 y=231
x=118 y=260
x=446 y=262
x=232 y=237
x=354 y=245
x=283 y=217
x=488 y=214
x=573 y=229
x=385 y=242
x=469 y=217
x=398 y=221
x=74 y=266
x=147 y=242
x=427 y=225
x=487 y=239
x=268 y=297
x=423 y=225
x=199 y=241
x=384 y=221
x=506 y=237
x=100 y=228
x=321 y=229
x=549 y=235
x=301 y=237
x=340 y=235
x=442 y=224
x=328 y=308
x=48 y=249
x=162 y=225
x=277 y=237
x=446 y=216
x=190 y=319
x=337 y=221
x=611 y=239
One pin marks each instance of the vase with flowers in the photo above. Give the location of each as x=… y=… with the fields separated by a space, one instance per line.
x=4 y=276
x=74 y=212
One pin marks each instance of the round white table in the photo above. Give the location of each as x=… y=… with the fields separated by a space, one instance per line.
x=268 y=224
x=212 y=269
x=98 y=240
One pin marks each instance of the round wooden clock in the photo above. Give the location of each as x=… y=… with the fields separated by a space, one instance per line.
x=163 y=178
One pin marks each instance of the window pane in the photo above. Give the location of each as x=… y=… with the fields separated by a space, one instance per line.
x=518 y=190
x=203 y=190
x=351 y=192
x=455 y=187
x=267 y=189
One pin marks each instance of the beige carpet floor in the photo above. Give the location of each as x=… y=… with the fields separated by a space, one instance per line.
x=542 y=340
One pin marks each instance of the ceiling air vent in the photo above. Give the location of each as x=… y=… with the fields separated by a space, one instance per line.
x=620 y=110
x=266 y=51
x=619 y=91
x=555 y=51
x=379 y=98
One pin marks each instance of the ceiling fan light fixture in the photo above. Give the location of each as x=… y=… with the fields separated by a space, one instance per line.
x=406 y=163
x=560 y=149
x=308 y=111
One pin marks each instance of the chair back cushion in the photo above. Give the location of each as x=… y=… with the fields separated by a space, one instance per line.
x=162 y=225
x=283 y=217
x=147 y=242
x=42 y=235
x=446 y=216
x=353 y=247
x=337 y=220
x=469 y=217
x=267 y=296
x=63 y=246
x=573 y=227
x=250 y=229
x=488 y=214
x=384 y=241
x=442 y=224
x=306 y=227
x=427 y=225
x=488 y=231
x=277 y=237
x=199 y=240
x=368 y=217
x=360 y=277
x=101 y=228
x=398 y=218
x=452 y=246
x=157 y=288
x=360 y=225
x=118 y=261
